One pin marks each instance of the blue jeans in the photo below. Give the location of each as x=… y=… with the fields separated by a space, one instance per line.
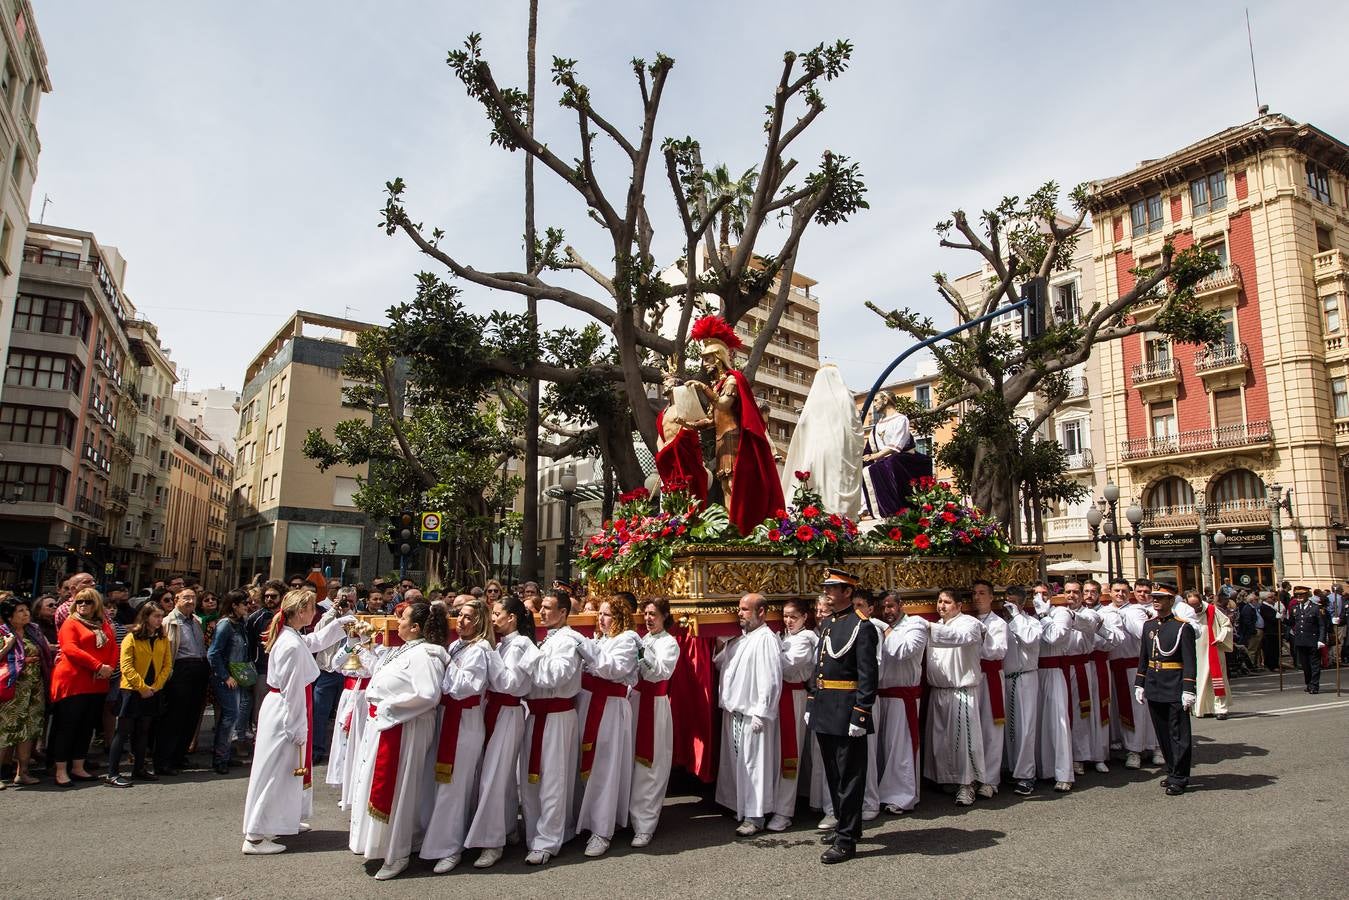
x=327 y=690
x=228 y=698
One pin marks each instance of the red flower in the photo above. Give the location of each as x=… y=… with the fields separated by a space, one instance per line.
x=775 y=535
x=927 y=507
x=950 y=505
x=608 y=553
x=945 y=486
x=665 y=532
x=923 y=523
x=780 y=514
x=805 y=533
x=903 y=512
x=948 y=516
x=810 y=512
x=681 y=529
x=896 y=534
x=835 y=520
x=803 y=476
x=639 y=493
x=922 y=542
x=830 y=536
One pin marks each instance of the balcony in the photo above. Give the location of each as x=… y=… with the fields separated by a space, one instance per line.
x=1156 y=379
x=1222 y=366
x=1078 y=460
x=1181 y=515
x=90 y=456
x=1199 y=441
x=1077 y=388
x=1216 y=285
x=1242 y=511
x=1066 y=528
x=1330 y=266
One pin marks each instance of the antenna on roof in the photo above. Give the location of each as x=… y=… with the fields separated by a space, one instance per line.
x=1260 y=108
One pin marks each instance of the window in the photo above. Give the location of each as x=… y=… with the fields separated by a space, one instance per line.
x=1218 y=249
x=1066 y=301
x=1229 y=326
x=344 y=491
x=51 y=316
x=35 y=370
x=41 y=484
x=17 y=169
x=6 y=241
x=1227 y=408
x=1325 y=239
x=1070 y=437
x=283 y=388
x=1208 y=194
x=1318 y=182
x=271 y=397
x=922 y=395
x=1163 y=417
x=1339 y=393
x=36 y=425
x=1330 y=310
x=1147 y=215
x=1156 y=348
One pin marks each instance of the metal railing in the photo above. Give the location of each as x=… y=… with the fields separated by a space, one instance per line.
x=1165 y=369
x=1198 y=440
x=1080 y=459
x=1226 y=277
x=1221 y=356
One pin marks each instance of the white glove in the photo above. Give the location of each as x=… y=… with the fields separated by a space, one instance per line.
x=1187 y=700
x=756 y=724
x=1335 y=620
x=1320 y=645
x=856 y=731
x=806 y=718
x=1139 y=696
x=346 y=620
x=1042 y=606
x=1012 y=608
x=297 y=739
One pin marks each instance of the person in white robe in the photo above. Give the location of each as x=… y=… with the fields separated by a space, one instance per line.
x=992 y=691
x=653 y=747
x=606 y=723
x=552 y=735
x=280 y=794
x=355 y=660
x=1021 y=682
x=954 y=750
x=899 y=704
x=1129 y=718
x=509 y=679
x=392 y=793
x=1054 y=757
x=459 y=743
x=827 y=442
x=799 y=645
x=1213 y=632
x=1091 y=730
x=751 y=683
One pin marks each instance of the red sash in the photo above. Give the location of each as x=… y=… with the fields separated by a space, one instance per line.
x=1215 y=664
x=910 y=694
x=787 y=726
x=308 y=735
x=1101 y=660
x=647 y=691
x=992 y=669
x=1062 y=663
x=384 y=780
x=495 y=701
x=1119 y=675
x=352 y=684
x=541 y=709
x=600 y=692
x=1079 y=661
x=449 y=734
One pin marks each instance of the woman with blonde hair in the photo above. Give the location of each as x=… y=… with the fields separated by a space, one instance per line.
x=280 y=786
x=460 y=743
x=89 y=659
x=606 y=733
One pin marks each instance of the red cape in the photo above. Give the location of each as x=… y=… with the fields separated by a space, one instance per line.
x=682 y=458
x=756 y=490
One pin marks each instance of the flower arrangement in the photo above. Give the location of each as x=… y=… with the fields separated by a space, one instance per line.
x=643 y=541
x=805 y=530
x=937 y=522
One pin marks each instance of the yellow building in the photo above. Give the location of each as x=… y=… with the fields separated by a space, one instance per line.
x=199 y=478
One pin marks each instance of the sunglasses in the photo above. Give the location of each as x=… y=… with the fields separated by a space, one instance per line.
x=84 y=603
x=272 y=595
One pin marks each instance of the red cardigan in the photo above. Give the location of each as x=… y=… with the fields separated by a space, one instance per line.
x=80 y=658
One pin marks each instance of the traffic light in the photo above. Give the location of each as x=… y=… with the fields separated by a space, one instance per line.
x=403 y=534
x=1035 y=315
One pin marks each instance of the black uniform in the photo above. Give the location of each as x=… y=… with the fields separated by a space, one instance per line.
x=1309 y=630
x=1166 y=669
x=840 y=694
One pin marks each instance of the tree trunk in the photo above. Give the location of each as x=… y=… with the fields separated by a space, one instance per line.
x=990 y=485
x=529 y=529
x=615 y=436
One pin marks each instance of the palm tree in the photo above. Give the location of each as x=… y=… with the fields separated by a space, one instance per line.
x=741 y=191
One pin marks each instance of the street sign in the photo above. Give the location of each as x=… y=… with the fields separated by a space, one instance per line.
x=1341 y=542
x=430 y=528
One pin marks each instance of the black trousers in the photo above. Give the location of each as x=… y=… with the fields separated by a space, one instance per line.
x=74 y=720
x=1309 y=659
x=1269 y=646
x=845 y=775
x=1171 y=721
x=184 y=696
x=136 y=731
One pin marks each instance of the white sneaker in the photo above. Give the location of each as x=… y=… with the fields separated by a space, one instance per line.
x=1063 y=787
x=779 y=822
x=1133 y=761
x=392 y=869
x=262 y=847
x=446 y=865
x=1157 y=758
x=641 y=839
x=870 y=815
x=305 y=827
x=597 y=846
x=894 y=809
x=965 y=795
x=749 y=827
x=1078 y=768
x=987 y=791
x=828 y=823
x=487 y=858
x=538 y=857
x=1102 y=768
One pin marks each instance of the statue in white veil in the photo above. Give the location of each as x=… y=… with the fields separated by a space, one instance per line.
x=828 y=443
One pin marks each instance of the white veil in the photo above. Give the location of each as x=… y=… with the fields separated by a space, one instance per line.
x=828 y=443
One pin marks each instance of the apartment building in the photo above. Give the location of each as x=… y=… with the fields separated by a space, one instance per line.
x=282 y=503
x=1249 y=436
x=200 y=477
x=790 y=360
x=23 y=81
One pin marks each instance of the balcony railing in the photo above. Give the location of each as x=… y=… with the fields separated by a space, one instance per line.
x=83 y=504
x=1067 y=528
x=1179 y=515
x=1241 y=511
x=1197 y=441
x=1221 y=356
x=1330 y=264
x=1153 y=370
x=1077 y=387
x=1080 y=459
x=1223 y=279
x=96 y=459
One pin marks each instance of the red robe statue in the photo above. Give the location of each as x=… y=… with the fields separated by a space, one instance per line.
x=756 y=490
x=682 y=460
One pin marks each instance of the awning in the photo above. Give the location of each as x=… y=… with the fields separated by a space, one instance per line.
x=1072 y=567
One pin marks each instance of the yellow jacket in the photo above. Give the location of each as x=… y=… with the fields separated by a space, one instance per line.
x=137 y=654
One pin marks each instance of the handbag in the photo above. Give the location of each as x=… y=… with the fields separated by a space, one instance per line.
x=244 y=673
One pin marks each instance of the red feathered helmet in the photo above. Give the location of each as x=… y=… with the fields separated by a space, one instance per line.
x=716 y=337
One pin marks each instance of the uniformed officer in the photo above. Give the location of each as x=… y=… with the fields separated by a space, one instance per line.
x=838 y=709
x=1166 y=680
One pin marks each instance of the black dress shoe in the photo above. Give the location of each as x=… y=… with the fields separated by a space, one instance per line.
x=144 y=775
x=828 y=838
x=1174 y=790
x=835 y=855
x=222 y=768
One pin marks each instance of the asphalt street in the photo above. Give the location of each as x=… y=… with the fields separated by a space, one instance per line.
x=1262 y=820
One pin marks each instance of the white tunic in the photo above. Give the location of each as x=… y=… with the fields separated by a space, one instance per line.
x=549 y=802
x=349 y=726
x=798 y=659
x=994 y=647
x=605 y=793
x=1142 y=736
x=660 y=655
x=457 y=798
x=1021 y=696
x=901 y=665
x=499 y=789
x=751 y=682
x=1207 y=701
x=1055 y=756
x=954 y=752
x=405 y=693
x=277 y=800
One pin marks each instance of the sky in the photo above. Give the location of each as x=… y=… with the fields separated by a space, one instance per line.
x=237 y=158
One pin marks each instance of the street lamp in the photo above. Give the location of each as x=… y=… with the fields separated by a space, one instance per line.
x=1104 y=526
x=568 y=484
x=1219 y=539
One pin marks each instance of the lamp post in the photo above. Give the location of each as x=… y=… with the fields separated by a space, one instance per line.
x=1219 y=538
x=568 y=484
x=323 y=555
x=1104 y=526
